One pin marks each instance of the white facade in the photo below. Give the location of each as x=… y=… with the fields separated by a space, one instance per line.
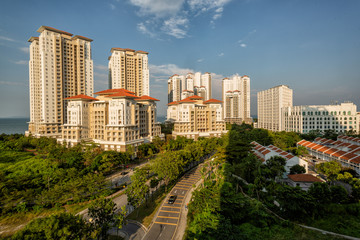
x=270 y=103
x=303 y=119
x=181 y=87
x=236 y=99
x=129 y=69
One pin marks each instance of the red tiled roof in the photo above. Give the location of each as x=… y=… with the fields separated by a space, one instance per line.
x=42 y=28
x=229 y=91
x=145 y=97
x=110 y=91
x=195 y=97
x=186 y=100
x=245 y=76
x=122 y=93
x=81 y=37
x=123 y=49
x=213 y=101
x=140 y=51
x=266 y=151
x=82 y=97
x=304 y=178
x=173 y=103
x=356 y=160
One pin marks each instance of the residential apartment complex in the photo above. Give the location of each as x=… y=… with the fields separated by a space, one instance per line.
x=303 y=119
x=193 y=117
x=129 y=69
x=181 y=87
x=346 y=150
x=60 y=66
x=116 y=119
x=236 y=99
x=270 y=103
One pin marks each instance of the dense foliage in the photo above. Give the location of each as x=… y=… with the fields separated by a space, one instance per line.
x=242 y=197
x=38 y=173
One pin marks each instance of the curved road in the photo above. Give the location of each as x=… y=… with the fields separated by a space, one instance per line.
x=168 y=216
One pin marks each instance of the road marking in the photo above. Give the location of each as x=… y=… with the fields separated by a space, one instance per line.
x=175 y=191
x=181 y=188
x=168 y=217
x=182 y=184
x=186 y=181
x=170 y=207
x=174 y=224
x=168 y=211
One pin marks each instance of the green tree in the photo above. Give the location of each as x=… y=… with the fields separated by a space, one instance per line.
x=138 y=190
x=330 y=169
x=320 y=192
x=62 y=226
x=338 y=194
x=102 y=214
x=297 y=169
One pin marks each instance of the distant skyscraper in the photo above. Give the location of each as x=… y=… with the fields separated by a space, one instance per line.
x=181 y=87
x=129 y=69
x=270 y=102
x=236 y=99
x=60 y=66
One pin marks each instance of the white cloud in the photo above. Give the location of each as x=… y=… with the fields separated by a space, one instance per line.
x=7 y=39
x=101 y=67
x=21 y=62
x=200 y=60
x=176 y=27
x=243 y=45
x=162 y=73
x=12 y=83
x=241 y=41
x=173 y=17
x=221 y=54
x=144 y=30
x=112 y=6
x=159 y=8
x=24 y=49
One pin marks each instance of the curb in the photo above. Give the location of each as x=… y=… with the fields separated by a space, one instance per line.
x=137 y=223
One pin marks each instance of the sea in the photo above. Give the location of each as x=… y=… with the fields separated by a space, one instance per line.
x=13 y=125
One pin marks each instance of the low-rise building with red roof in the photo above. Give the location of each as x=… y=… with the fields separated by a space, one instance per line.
x=304 y=181
x=115 y=120
x=346 y=150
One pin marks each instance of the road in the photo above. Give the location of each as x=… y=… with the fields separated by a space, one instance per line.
x=168 y=217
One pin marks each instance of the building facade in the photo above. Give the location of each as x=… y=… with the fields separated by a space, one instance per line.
x=114 y=120
x=303 y=119
x=345 y=150
x=129 y=69
x=193 y=117
x=236 y=99
x=60 y=66
x=181 y=87
x=270 y=103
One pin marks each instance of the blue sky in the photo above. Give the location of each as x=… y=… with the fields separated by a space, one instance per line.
x=311 y=45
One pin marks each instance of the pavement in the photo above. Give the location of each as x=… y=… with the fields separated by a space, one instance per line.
x=170 y=217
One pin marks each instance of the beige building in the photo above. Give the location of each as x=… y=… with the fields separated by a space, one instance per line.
x=60 y=66
x=236 y=99
x=181 y=87
x=129 y=69
x=115 y=120
x=270 y=103
x=193 y=117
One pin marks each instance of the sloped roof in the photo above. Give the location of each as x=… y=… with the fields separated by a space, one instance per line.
x=173 y=103
x=213 y=101
x=304 y=178
x=146 y=97
x=111 y=91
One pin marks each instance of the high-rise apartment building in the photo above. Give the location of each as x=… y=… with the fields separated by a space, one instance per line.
x=236 y=99
x=270 y=102
x=114 y=120
x=193 y=117
x=181 y=87
x=60 y=66
x=303 y=119
x=129 y=69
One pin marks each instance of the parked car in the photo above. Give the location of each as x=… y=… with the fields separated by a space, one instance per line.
x=172 y=199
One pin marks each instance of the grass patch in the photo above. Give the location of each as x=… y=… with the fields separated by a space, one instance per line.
x=112 y=237
x=145 y=214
